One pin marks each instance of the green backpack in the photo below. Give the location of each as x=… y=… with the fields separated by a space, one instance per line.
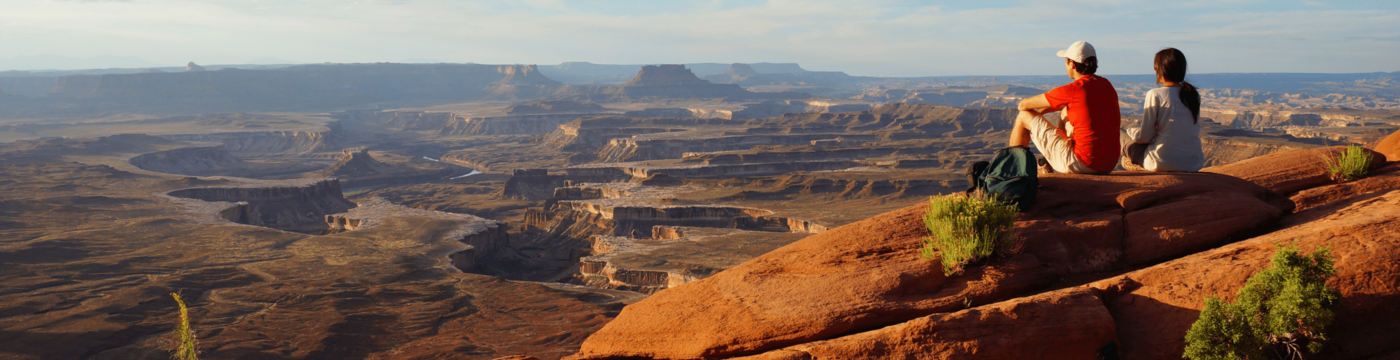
x=1011 y=174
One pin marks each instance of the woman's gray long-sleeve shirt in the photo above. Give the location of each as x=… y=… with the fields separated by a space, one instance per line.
x=1173 y=138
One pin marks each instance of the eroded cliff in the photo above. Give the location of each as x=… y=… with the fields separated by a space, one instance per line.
x=290 y=205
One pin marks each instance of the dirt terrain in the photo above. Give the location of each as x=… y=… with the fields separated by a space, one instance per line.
x=512 y=213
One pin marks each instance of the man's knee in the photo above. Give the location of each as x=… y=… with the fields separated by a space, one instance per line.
x=1023 y=119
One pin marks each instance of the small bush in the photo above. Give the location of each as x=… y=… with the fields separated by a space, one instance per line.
x=1280 y=310
x=1350 y=165
x=186 y=348
x=967 y=228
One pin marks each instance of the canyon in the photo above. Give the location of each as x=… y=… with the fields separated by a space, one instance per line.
x=587 y=211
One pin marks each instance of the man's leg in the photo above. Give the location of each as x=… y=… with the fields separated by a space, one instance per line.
x=1053 y=145
x=1021 y=130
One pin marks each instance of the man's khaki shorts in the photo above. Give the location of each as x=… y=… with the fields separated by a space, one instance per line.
x=1057 y=149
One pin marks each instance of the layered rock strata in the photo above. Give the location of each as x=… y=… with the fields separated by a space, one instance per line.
x=266 y=143
x=291 y=205
x=627 y=220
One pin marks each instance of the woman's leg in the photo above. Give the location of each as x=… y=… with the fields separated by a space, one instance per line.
x=1132 y=153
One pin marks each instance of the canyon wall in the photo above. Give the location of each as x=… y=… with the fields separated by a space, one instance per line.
x=298 y=206
x=531 y=184
x=485 y=245
x=256 y=143
x=196 y=161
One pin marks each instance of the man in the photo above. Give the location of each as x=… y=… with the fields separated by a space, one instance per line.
x=1086 y=141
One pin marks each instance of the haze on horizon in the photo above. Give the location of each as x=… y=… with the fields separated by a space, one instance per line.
x=874 y=38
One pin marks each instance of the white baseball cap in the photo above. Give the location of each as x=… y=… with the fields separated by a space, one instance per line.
x=1078 y=51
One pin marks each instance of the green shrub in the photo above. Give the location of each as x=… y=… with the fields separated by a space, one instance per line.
x=967 y=228
x=1350 y=165
x=187 y=348
x=1281 y=309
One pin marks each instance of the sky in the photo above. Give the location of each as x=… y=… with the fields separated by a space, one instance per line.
x=868 y=37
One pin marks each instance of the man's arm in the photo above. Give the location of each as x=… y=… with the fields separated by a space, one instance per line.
x=1034 y=103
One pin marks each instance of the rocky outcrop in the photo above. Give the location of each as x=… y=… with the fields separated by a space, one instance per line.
x=574 y=137
x=522 y=81
x=355 y=163
x=1387 y=177
x=357 y=168
x=531 y=184
x=1155 y=306
x=1071 y=324
x=734 y=74
x=784 y=298
x=299 y=206
x=776 y=223
x=523 y=75
x=1288 y=172
x=193 y=67
x=675 y=81
x=1389 y=146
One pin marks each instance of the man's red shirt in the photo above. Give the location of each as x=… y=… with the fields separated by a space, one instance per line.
x=1093 y=111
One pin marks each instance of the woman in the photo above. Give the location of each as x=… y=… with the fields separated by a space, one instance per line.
x=1169 y=136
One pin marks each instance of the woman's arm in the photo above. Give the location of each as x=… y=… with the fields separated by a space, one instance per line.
x=1151 y=113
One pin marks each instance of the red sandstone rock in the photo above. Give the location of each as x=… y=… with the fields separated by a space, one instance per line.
x=1287 y=172
x=868 y=274
x=1086 y=223
x=1066 y=324
x=1384 y=178
x=1389 y=146
x=853 y=278
x=517 y=357
x=1155 y=306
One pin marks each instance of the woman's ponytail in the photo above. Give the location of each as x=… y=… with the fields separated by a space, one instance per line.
x=1192 y=99
x=1170 y=64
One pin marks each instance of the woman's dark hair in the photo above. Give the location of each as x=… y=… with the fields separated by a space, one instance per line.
x=1171 y=66
x=1088 y=67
